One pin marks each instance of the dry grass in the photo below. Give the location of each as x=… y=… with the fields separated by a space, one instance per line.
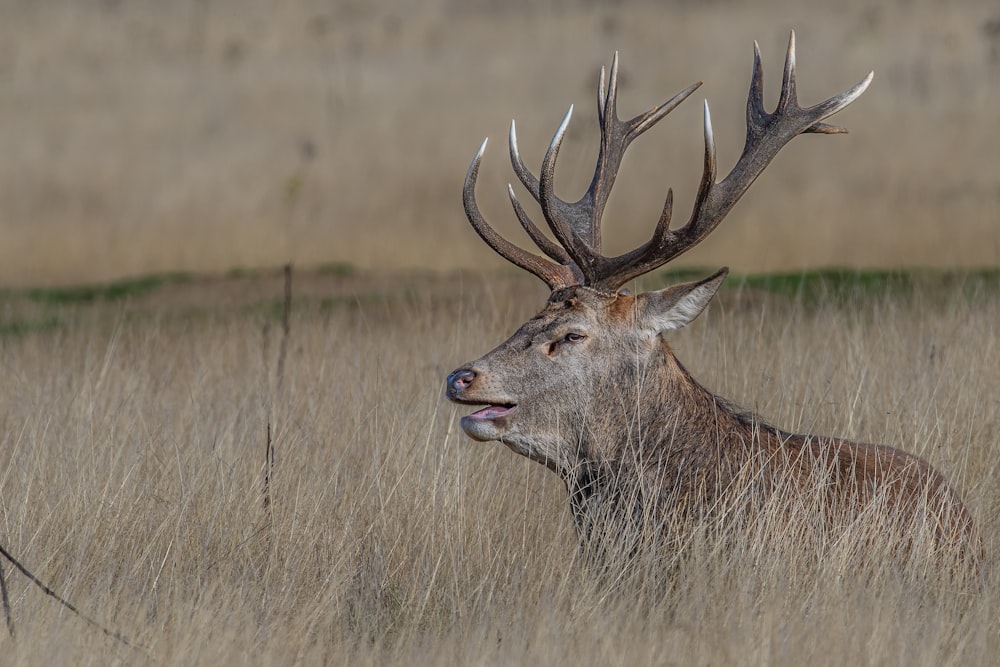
x=133 y=440
x=144 y=136
x=201 y=135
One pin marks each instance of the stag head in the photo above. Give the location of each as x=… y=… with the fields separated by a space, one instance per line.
x=582 y=370
x=592 y=367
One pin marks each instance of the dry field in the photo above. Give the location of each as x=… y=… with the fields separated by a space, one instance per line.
x=139 y=136
x=133 y=443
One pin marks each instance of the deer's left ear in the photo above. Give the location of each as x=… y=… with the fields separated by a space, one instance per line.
x=676 y=306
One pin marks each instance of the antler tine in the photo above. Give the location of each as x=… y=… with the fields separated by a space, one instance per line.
x=766 y=134
x=577 y=225
x=710 y=168
x=663 y=224
x=788 y=96
x=553 y=250
x=619 y=270
x=558 y=214
x=523 y=173
x=755 y=98
x=644 y=121
x=609 y=108
x=835 y=104
x=601 y=93
x=616 y=135
x=555 y=276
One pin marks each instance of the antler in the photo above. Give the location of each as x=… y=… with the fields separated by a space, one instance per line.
x=554 y=275
x=577 y=226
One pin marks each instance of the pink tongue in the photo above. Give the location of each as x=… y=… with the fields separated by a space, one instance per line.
x=491 y=412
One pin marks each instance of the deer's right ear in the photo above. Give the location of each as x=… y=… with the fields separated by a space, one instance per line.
x=676 y=306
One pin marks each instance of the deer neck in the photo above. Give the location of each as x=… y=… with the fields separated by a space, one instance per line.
x=666 y=422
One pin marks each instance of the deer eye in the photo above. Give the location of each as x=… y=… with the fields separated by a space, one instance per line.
x=571 y=338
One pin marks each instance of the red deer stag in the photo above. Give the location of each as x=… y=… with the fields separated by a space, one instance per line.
x=590 y=388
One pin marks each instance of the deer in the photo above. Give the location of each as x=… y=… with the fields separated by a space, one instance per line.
x=591 y=389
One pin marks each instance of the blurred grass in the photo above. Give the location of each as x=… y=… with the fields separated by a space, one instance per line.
x=839 y=286
x=834 y=287
x=112 y=291
x=842 y=286
x=23 y=327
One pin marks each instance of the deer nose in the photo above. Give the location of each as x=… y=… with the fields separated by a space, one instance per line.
x=459 y=381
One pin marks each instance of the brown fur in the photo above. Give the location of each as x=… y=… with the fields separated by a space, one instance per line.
x=637 y=440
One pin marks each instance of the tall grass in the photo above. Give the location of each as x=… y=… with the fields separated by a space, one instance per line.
x=132 y=450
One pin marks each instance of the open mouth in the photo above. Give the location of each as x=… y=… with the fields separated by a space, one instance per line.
x=493 y=411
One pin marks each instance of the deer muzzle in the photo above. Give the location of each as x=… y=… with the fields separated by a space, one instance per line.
x=490 y=421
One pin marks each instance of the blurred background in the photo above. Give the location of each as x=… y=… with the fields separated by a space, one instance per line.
x=140 y=136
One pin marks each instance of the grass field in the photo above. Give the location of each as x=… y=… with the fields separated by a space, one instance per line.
x=158 y=160
x=134 y=435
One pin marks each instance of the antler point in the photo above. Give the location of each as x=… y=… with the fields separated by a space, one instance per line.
x=565 y=120
x=709 y=134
